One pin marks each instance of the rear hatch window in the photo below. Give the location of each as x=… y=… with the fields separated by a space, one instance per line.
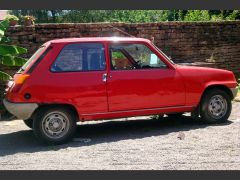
x=31 y=61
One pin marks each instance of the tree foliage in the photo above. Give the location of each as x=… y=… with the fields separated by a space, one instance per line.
x=42 y=16
x=197 y=15
x=131 y=16
x=9 y=53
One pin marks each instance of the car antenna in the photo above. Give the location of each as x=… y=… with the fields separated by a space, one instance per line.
x=121 y=31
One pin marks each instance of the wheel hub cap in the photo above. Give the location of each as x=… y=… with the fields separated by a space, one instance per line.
x=55 y=124
x=217 y=106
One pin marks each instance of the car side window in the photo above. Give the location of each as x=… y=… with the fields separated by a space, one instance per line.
x=80 y=57
x=120 y=61
x=134 y=56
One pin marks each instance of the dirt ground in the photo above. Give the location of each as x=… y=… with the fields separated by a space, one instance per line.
x=133 y=143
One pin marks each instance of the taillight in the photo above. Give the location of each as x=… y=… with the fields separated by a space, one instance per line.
x=19 y=80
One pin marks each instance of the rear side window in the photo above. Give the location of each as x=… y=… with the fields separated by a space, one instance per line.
x=33 y=58
x=80 y=57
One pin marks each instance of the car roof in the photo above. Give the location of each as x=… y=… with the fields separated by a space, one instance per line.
x=99 y=39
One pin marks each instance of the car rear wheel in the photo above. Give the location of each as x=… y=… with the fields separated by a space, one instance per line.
x=216 y=106
x=54 y=125
x=28 y=123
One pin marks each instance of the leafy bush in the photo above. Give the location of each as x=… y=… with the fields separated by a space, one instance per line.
x=216 y=18
x=233 y=15
x=117 y=55
x=197 y=15
x=84 y=16
x=11 y=18
x=9 y=53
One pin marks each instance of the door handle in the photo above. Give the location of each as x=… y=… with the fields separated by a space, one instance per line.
x=104 y=77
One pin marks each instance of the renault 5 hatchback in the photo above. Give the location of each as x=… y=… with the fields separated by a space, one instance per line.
x=82 y=79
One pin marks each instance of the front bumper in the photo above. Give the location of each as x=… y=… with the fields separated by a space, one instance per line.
x=20 y=110
x=234 y=92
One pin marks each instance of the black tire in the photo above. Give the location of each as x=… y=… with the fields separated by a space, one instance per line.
x=175 y=115
x=44 y=122
x=28 y=123
x=211 y=114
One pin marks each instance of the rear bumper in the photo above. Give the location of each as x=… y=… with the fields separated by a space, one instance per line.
x=234 y=92
x=20 y=110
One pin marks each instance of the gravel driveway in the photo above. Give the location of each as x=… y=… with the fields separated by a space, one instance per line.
x=125 y=144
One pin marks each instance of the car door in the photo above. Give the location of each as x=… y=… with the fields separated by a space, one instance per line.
x=77 y=77
x=139 y=79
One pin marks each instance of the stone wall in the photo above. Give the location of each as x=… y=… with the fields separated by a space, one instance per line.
x=214 y=44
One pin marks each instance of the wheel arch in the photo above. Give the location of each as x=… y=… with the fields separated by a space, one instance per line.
x=217 y=86
x=68 y=106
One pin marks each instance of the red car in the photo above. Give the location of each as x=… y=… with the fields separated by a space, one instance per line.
x=82 y=79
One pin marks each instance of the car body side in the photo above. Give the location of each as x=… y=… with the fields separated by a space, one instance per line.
x=89 y=99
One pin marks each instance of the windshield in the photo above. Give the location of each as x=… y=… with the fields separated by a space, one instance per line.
x=33 y=58
x=163 y=54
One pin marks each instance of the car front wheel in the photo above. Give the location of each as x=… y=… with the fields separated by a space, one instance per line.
x=216 y=106
x=54 y=125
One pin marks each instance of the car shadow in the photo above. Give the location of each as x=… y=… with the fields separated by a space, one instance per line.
x=104 y=132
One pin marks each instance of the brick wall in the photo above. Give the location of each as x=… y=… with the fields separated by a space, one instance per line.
x=214 y=44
